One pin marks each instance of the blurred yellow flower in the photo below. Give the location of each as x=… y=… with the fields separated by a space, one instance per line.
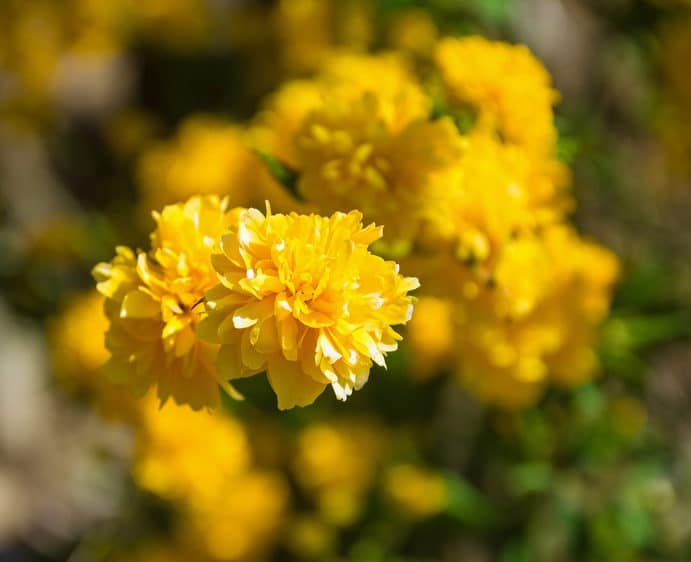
x=206 y=157
x=302 y=298
x=540 y=336
x=497 y=192
x=185 y=455
x=586 y=274
x=359 y=137
x=417 y=492
x=306 y=31
x=387 y=77
x=276 y=125
x=310 y=31
x=413 y=30
x=203 y=462
x=362 y=154
x=534 y=322
x=337 y=462
x=273 y=132
x=243 y=520
x=154 y=301
x=430 y=336
x=505 y=84
x=78 y=353
x=32 y=43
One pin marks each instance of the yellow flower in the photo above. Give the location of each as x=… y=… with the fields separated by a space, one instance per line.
x=505 y=84
x=585 y=282
x=310 y=31
x=513 y=353
x=33 y=43
x=361 y=154
x=79 y=353
x=206 y=157
x=337 y=463
x=276 y=125
x=243 y=520
x=388 y=77
x=302 y=298
x=413 y=30
x=430 y=336
x=498 y=192
x=202 y=461
x=359 y=137
x=154 y=301
x=419 y=493
x=533 y=323
x=273 y=132
x=306 y=33
x=185 y=455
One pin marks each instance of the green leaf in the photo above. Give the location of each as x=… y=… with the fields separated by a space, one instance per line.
x=283 y=174
x=529 y=478
x=467 y=504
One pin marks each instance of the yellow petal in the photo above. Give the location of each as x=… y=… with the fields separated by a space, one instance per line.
x=291 y=385
x=264 y=337
x=137 y=304
x=174 y=325
x=207 y=328
x=229 y=362
x=327 y=348
x=184 y=342
x=289 y=338
x=250 y=356
x=253 y=312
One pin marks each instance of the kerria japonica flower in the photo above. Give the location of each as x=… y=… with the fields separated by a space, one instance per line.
x=302 y=298
x=154 y=300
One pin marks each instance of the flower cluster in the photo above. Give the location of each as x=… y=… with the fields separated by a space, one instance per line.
x=300 y=297
x=462 y=170
x=535 y=323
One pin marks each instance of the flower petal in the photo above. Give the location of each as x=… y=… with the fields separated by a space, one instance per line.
x=137 y=304
x=251 y=313
x=291 y=385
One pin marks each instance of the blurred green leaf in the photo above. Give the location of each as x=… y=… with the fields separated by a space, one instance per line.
x=284 y=175
x=568 y=148
x=516 y=552
x=493 y=11
x=466 y=503
x=529 y=478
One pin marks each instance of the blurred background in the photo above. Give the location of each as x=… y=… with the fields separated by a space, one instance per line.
x=109 y=108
